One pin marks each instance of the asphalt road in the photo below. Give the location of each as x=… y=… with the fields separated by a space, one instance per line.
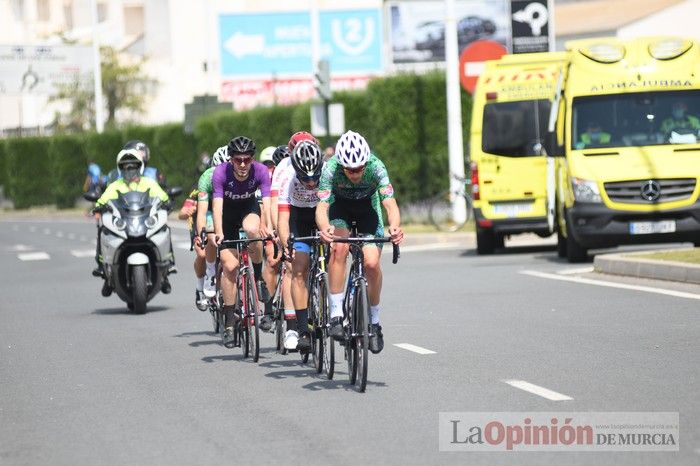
x=82 y=381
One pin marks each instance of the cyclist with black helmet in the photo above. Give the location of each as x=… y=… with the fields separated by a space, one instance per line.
x=234 y=207
x=297 y=209
x=282 y=173
x=353 y=185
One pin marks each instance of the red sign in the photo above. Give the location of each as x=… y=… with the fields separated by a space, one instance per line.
x=252 y=93
x=471 y=61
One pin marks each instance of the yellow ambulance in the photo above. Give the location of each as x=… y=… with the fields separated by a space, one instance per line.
x=626 y=134
x=509 y=169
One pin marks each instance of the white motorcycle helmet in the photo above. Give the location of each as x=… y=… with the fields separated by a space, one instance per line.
x=130 y=164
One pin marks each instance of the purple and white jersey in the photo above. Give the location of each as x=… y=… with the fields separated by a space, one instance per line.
x=226 y=186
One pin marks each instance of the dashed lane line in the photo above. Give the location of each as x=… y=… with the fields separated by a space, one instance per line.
x=33 y=256
x=624 y=286
x=83 y=252
x=414 y=348
x=537 y=390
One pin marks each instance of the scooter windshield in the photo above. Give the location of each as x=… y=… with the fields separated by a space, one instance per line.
x=135 y=208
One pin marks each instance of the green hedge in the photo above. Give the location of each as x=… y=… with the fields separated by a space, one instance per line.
x=68 y=169
x=404 y=119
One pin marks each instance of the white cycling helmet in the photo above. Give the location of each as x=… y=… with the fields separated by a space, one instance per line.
x=352 y=150
x=220 y=156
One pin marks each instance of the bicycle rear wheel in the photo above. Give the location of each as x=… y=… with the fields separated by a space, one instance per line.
x=362 y=339
x=251 y=318
x=440 y=212
x=350 y=348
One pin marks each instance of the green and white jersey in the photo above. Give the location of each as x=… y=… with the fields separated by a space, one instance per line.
x=375 y=183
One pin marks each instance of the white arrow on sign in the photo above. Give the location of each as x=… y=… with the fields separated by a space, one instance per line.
x=240 y=44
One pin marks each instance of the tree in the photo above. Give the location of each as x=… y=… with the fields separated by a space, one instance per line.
x=124 y=87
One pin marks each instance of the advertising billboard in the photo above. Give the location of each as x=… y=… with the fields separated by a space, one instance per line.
x=418 y=27
x=39 y=69
x=265 y=44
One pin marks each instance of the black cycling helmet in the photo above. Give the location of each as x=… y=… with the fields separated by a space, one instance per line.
x=241 y=145
x=138 y=145
x=307 y=160
x=280 y=153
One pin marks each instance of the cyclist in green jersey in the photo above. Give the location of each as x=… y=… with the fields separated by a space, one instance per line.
x=354 y=183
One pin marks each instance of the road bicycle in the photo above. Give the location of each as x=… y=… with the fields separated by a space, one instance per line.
x=246 y=332
x=357 y=326
x=280 y=324
x=440 y=206
x=318 y=305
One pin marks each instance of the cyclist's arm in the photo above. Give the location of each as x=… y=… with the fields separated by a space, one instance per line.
x=322 y=220
x=217 y=213
x=265 y=215
x=283 y=227
x=392 y=212
x=202 y=207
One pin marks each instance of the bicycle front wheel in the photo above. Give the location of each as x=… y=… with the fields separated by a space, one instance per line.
x=440 y=212
x=252 y=318
x=316 y=326
x=324 y=328
x=362 y=329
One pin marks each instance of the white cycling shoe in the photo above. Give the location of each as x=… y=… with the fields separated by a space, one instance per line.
x=291 y=339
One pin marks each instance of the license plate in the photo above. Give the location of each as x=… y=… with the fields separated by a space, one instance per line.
x=648 y=228
x=513 y=209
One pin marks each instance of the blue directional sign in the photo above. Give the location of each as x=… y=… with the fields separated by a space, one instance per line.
x=280 y=43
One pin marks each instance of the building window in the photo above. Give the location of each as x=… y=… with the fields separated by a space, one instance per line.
x=18 y=9
x=43 y=10
x=101 y=12
x=68 y=14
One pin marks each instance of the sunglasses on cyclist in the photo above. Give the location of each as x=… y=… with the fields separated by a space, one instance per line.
x=354 y=171
x=242 y=160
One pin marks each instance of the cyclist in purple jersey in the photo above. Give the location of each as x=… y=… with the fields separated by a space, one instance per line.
x=234 y=207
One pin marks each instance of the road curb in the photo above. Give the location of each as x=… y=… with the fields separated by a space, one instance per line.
x=628 y=265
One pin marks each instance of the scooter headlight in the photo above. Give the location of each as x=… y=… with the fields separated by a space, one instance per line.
x=119 y=223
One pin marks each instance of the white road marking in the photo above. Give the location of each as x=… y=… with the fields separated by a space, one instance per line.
x=21 y=248
x=625 y=286
x=59 y=234
x=32 y=229
x=83 y=238
x=71 y=236
x=414 y=348
x=537 y=390
x=576 y=271
x=430 y=247
x=83 y=252
x=47 y=231
x=33 y=256
x=182 y=245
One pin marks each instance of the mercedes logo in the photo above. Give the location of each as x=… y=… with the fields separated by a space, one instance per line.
x=651 y=191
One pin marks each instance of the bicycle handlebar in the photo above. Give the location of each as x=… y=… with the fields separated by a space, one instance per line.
x=354 y=240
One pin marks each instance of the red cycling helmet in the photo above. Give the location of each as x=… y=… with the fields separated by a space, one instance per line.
x=298 y=137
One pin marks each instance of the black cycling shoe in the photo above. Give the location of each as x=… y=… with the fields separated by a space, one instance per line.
x=106 y=290
x=97 y=272
x=376 y=340
x=165 y=287
x=172 y=269
x=265 y=323
x=200 y=300
x=263 y=294
x=229 y=337
x=336 y=331
x=304 y=343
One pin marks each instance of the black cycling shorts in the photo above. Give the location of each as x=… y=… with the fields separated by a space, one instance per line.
x=233 y=214
x=302 y=222
x=343 y=212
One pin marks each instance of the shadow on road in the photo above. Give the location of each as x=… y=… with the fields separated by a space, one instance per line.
x=124 y=310
x=318 y=381
x=321 y=383
x=227 y=357
x=193 y=334
x=513 y=250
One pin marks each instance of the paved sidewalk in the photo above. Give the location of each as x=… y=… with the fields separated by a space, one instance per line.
x=629 y=265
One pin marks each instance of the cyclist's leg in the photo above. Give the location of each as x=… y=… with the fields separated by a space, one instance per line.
x=369 y=222
x=340 y=218
x=200 y=268
x=251 y=226
x=229 y=267
x=210 y=259
x=301 y=223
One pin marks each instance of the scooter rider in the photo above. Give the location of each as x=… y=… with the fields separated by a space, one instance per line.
x=130 y=167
